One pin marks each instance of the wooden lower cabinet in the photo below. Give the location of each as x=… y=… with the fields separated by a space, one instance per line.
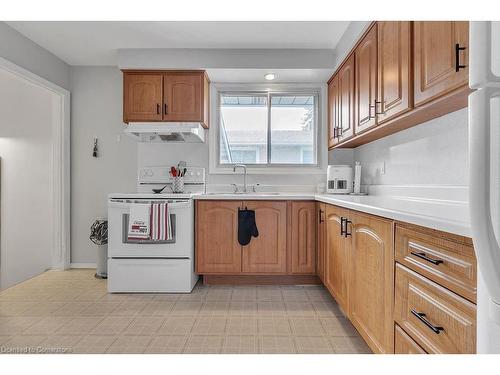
x=446 y=259
x=303 y=237
x=286 y=244
x=404 y=344
x=217 y=247
x=371 y=277
x=321 y=240
x=267 y=253
x=439 y=320
x=337 y=255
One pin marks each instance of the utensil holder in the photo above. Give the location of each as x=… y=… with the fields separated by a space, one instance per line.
x=178 y=184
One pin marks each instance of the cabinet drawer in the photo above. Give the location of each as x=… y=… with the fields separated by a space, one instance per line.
x=440 y=321
x=447 y=259
x=404 y=344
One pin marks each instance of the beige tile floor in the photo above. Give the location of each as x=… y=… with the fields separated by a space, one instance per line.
x=71 y=312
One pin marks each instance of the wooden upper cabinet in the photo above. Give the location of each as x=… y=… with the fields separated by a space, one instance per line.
x=169 y=96
x=366 y=82
x=217 y=247
x=321 y=239
x=371 y=287
x=333 y=110
x=142 y=97
x=337 y=249
x=394 y=78
x=183 y=96
x=439 y=58
x=346 y=100
x=303 y=236
x=267 y=252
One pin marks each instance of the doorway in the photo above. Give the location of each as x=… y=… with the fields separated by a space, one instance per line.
x=34 y=175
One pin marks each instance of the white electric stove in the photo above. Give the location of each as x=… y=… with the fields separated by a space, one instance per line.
x=147 y=266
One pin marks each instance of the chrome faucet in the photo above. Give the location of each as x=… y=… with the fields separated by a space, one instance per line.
x=244 y=175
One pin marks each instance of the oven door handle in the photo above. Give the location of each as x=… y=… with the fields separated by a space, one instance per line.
x=115 y=203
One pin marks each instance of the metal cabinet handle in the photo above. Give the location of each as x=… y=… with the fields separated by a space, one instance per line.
x=339 y=131
x=343 y=226
x=423 y=256
x=335 y=132
x=321 y=220
x=421 y=316
x=374 y=106
x=347 y=222
x=380 y=104
x=157 y=109
x=166 y=108
x=342 y=232
x=457 y=57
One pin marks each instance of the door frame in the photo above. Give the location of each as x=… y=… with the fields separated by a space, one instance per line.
x=60 y=165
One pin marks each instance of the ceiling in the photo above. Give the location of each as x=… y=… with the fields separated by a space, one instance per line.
x=282 y=75
x=96 y=43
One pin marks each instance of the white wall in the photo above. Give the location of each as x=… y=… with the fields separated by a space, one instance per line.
x=432 y=153
x=196 y=154
x=22 y=51
x=27 y=114
x=96 y=110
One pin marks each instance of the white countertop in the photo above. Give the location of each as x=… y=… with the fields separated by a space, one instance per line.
x=447 y=216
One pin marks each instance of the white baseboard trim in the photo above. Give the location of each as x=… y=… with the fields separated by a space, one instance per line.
x=82 y=265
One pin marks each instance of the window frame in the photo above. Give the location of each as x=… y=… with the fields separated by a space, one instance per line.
x=316 y=90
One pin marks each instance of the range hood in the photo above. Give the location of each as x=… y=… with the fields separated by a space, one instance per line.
x=181 y=132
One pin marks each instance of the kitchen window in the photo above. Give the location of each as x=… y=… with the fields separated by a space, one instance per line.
x=267 y=129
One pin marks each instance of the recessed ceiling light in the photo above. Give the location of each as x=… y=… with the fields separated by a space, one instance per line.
x=270 y=76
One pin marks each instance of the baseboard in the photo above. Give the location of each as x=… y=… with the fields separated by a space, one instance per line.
x=82 y=265
x=261 y=280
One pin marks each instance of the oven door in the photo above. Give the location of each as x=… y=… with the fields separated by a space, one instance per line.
x=181 y=246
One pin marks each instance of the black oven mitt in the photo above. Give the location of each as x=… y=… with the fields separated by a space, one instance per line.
x=247 y=227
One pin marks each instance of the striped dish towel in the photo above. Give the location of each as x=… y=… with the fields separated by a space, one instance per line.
x=161 y=227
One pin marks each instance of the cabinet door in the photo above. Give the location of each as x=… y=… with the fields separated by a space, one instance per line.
x=267 y=252
x=394 y=73
x=303 y=246
x=183 y=96
x=217 y=247
x=142 y=97
x=337 y=257
x=346 y=100
x=320 y=239
x=371 y=288
x=436 y=58
x=366 y=81
x=333 y=110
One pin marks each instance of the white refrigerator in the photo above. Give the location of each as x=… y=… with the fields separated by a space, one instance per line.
x=484 y=177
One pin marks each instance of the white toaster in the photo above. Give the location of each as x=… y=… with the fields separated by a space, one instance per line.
x=339 y=179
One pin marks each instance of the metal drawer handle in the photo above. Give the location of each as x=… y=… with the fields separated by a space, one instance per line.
x=421 y=317
x=436 y=262
x=458 y=66
x=321 y=220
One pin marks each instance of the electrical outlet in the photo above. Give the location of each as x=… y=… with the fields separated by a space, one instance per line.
x=382 y=168
x=118 y=138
